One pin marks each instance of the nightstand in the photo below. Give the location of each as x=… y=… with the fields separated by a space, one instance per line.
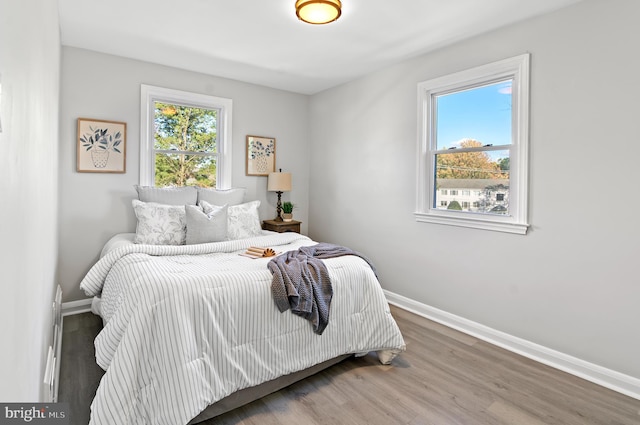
x=281 y=226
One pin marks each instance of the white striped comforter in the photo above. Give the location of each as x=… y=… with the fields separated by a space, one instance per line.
x=189 y=325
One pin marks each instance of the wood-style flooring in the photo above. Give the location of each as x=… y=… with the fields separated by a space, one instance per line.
x=445 y=377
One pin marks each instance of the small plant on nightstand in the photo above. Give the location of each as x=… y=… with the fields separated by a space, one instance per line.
x=287 y=211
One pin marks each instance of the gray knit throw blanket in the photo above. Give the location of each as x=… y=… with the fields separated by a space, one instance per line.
x=301 y=282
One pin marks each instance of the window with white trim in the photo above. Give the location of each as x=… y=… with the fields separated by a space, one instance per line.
x=473 y=139
x=185 y=139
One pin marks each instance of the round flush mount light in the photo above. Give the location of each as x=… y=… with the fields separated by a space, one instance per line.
x=318 y=12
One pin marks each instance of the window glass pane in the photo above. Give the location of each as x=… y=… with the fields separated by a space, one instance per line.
x=185 y=170
x=185 y=128
x=481 y=114
x=473 y=181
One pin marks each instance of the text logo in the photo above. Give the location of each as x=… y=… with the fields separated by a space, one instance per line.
x=34 y=413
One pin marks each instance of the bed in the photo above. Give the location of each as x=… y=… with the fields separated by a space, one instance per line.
x=191 y=331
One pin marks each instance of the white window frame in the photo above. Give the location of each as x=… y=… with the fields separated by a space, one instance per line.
x=516 y=68
x=151 y=94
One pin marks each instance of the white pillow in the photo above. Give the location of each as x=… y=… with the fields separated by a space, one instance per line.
x=160 y=224
x=182 y=195
x=221 y=197
x=243 y=220
x=206 y=226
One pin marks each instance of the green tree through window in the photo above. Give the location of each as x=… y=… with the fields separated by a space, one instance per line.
x=185 y=144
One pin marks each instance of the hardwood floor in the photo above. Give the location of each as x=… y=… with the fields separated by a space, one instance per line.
x=79 y=373
x=445 y=377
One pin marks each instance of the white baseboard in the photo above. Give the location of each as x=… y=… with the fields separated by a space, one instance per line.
x=608 y=378
x=76 y=307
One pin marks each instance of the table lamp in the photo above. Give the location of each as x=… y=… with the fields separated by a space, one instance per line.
x=279 y=182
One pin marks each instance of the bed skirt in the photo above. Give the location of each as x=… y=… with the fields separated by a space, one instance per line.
x=247 y=395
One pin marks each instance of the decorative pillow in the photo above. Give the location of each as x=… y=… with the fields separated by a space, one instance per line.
x=206 y=226
x=160 y=224
x=184 y=195
x=221 y=197
x=243 y=221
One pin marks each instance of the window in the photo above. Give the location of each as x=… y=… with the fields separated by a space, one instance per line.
x=473 y=140
x=185 y=139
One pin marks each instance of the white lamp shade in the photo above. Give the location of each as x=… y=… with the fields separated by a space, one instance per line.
x=279 y=182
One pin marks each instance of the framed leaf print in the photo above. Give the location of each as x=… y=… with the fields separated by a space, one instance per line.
x=101 y=146
x=261 y=155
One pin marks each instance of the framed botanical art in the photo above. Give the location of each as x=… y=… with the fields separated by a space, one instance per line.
x=101 y=146
x=261 y=155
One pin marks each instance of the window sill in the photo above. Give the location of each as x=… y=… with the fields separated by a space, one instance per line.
x=474 y=223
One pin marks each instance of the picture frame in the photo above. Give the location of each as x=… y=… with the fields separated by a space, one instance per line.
x=101 y=146
x=261 y=155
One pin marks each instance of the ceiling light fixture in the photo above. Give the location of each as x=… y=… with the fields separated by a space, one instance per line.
x=318 y=12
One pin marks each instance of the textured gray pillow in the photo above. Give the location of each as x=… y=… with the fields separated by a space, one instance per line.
x=206 y=226
x=184 y=195
x=221 y=197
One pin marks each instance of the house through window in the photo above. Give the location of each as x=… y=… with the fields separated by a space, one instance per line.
x=473 y=146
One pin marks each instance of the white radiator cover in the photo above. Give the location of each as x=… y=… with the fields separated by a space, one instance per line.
x=52 y=371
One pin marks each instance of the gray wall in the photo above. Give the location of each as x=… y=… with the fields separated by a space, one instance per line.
x=571 y=284
x=30 y=69
x=95 y=206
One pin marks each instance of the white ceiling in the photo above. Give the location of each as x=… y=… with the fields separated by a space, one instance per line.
x=262 y=42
